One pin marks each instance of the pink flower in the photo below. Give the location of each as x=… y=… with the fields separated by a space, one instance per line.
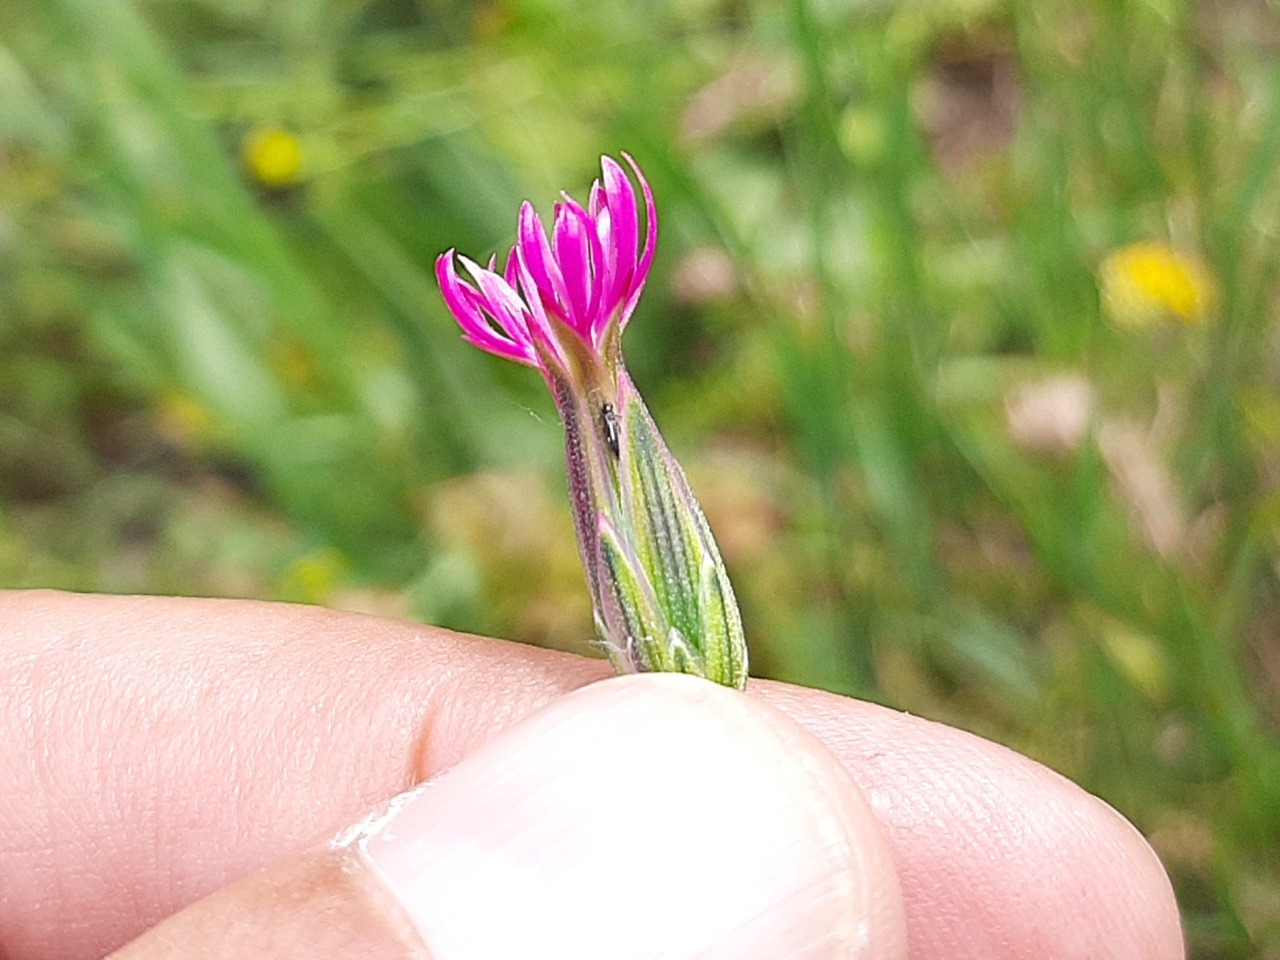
x=587 y=277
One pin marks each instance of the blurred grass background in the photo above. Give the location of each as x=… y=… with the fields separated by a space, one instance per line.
x=963 y=324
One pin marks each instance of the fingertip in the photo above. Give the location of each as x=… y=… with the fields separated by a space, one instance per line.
x=1143 y=907
x=1000 y=857
x=640 y=817
x=644 y=816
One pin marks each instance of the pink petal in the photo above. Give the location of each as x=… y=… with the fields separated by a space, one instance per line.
x=501 y=348
x=613 y=274
x=539 y=327
x=596 y=275
x=620 y=199
x=535 y=251
x=466 y=305
x=510 y=272
x=651 y=242
x=569 y=243
x=451 y=289
x=503 y=303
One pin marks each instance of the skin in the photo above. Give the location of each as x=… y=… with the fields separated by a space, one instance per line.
x=162 y=749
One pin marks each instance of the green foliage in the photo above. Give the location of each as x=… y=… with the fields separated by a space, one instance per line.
x=874 y=337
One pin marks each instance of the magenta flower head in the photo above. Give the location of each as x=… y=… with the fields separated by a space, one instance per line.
x=584 y=280
x=661 y=595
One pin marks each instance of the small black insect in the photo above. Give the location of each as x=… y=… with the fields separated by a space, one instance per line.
x=609 y=423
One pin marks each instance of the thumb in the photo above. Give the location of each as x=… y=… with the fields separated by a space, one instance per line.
x=655 y=816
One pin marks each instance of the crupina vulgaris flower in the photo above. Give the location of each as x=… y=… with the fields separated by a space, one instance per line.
x=1146 y=283
x=661 y=595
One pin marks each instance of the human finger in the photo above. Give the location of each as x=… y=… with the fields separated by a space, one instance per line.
x=184 y=743
x=641 y=817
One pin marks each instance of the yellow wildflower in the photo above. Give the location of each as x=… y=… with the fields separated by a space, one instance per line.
x=273 y=156
x=312 y=577
x=184 y=421
x=1146 y=283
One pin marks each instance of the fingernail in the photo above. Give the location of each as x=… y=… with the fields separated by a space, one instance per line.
x=645 y=816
